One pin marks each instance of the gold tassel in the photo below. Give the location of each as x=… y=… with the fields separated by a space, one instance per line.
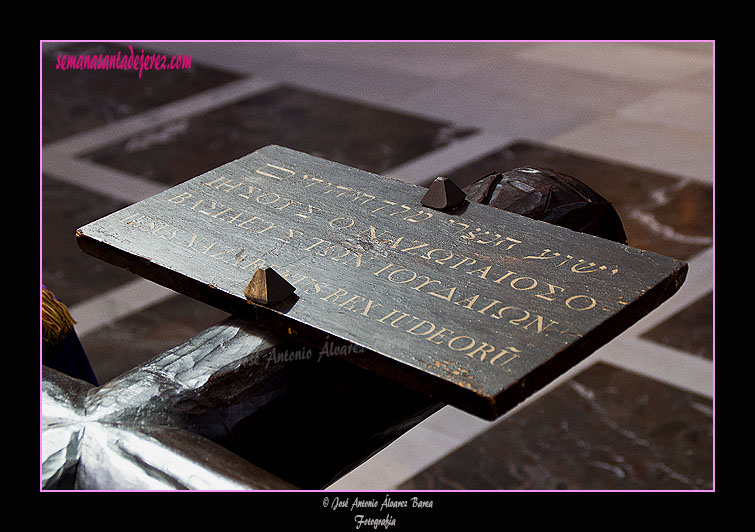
x=57 y=322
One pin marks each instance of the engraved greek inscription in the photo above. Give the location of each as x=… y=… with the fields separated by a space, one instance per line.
x=539 y=320
x=461 y=343
x=418 y=246
x=224 y=183
x=400 y=276
x=442 y=260
x=371 y=234
x=468 y=302
x=551 y=291
x=338 y=252
x=251 y=220
x=180 y=198
x=580 y=302
x=480 y=272
x=523 y=283
x=427 y=281
x=465 y=260
x=147 y=224
x=449 y=293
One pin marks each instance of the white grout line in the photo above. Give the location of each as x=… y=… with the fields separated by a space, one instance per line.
x=190 y=106
x=699 y=283
x=109 y=182
x=444 y=160
x=117 y=303
x=671 y=366
x=450 y=427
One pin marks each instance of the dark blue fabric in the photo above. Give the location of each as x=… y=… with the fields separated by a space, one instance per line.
x=68 y=356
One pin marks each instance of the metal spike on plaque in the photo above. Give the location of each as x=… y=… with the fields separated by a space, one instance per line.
x=443 y=194
x=478 y=309
x=267 y=287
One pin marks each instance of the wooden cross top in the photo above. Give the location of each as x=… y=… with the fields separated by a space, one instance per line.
x=474 y=306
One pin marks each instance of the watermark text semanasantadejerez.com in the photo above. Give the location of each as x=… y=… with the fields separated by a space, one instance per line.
x=126 y=61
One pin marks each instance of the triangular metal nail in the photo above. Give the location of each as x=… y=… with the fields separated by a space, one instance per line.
x=267 y=287
x=443 y=194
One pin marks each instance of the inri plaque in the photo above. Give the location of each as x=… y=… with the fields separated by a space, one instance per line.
x=478 y=307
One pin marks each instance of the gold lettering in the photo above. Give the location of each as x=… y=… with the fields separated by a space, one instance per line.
x=349 y=223
x=418 y=287
x=390 y=276
x=483 y=310
x=338 y=293
x=351 y=300
x=590 y=304
x=470 y=345
x=319 y=241
x=268 y=165
x=505 y=351
x=504 y=277
x=463 y=261
x=223 y=182
x=369 y=305
x=439 y=335
x=484 y=271
x=420 y=324
x=252 y=219
x=532 y=285
x=485 y=348
x=383 y=269
x=447 y=297
x=180 y=198
x=539 y=321
x=551 y=292
x=421 y=245
x=471 y=301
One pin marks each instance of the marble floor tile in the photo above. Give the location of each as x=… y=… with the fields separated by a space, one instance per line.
x=365 y=137
x=632 y=120
x=65 y=269
x=645 y=145
x=646 y=62
x=690 y=330
x=606 y=429
x=133 y=340
x=549 y=86
x=73 y=100
x=660 y=212
x=673 y=108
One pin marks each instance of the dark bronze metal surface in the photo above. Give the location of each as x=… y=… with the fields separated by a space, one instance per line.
x=478 y=308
